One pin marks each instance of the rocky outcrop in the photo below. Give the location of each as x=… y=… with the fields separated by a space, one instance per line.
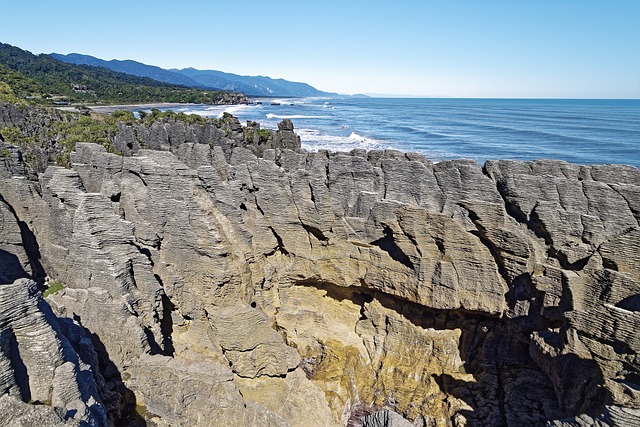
x=193 y=141
x=31 y=128
x=329 y=286
x=41 y=137
x=285 y=137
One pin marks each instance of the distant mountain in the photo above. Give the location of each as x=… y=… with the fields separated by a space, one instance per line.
x=210 y=79
x=130 y=67
x=252 y=85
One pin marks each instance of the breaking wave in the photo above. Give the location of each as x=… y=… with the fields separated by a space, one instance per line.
x=294 y=116
x=214 y=110
x=314 y=140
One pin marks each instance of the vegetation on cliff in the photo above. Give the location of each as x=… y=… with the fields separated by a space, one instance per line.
x=43 y=80
x=57 y=133
x=45 y=136
x=15 y=86
x=53 y=287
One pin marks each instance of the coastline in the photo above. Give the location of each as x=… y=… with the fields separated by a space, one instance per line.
x=456 y=193
x=108 y=109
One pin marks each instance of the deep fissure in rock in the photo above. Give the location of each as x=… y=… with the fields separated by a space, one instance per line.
x=388 y=244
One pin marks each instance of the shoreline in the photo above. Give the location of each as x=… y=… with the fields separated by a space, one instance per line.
x=108 y=109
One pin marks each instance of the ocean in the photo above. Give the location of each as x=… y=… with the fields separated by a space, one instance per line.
x=578 y=131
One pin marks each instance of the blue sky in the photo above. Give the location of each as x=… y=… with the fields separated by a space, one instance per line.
x=452 y=48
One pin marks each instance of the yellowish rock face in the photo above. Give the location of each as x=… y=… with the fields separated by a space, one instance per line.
x=361 y=352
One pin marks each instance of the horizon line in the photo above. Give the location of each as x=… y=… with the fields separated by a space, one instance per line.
x=371 y=95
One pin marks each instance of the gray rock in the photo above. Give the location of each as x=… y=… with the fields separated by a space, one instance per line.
x=16 y=413
x=39 y=364
x=507 y=294
x=285 y=137
x=14 y=261
x=252 y=347
x=385 y=418
x=175 y=393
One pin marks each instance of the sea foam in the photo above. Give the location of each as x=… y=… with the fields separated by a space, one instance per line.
x=314 y=140
x=294 y=116
x=213 y=110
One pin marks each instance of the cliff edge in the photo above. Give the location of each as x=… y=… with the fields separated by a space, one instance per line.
x=216 y=284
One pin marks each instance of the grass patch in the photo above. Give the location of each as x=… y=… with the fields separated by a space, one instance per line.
x=54 y=287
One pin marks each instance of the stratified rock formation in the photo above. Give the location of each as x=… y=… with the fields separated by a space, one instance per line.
x=190 y=140
x=40 y=365
x=221 y=288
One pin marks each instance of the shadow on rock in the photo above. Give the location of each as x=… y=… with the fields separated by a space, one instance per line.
x=10 y=267
x=32 y=250
x=119 y=400
x=511 y=389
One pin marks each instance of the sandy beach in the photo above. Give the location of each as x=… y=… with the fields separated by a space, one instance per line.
x=108 y=109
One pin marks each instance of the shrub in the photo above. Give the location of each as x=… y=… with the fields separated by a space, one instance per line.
x=124 y=116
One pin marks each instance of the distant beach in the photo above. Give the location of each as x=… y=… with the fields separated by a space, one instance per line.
x=108 y=109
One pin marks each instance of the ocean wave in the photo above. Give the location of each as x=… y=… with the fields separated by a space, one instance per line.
x=202 y=113
x=363 y=139
x=213 y=110
x=314 y=140
x=283 y=101
x=233 y=109
x=294 y=116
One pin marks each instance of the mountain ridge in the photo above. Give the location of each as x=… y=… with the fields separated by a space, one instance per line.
x=127 y=66
x=208 y=79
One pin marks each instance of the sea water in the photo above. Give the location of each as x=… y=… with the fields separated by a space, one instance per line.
x=579 y=131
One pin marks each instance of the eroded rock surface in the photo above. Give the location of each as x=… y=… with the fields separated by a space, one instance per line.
x=224 y=288
x=39 y=365
x=192 y=141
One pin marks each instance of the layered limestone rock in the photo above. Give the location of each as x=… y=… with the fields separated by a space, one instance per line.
x=173 y=392
x=43 y=135
x=385 y=418
x=225 y=288
x=14 y=262
x=40 y=366
x=183 y=137
x=32 y=127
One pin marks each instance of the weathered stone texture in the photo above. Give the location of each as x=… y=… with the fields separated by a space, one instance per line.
x=274 y=286
x=40 y=365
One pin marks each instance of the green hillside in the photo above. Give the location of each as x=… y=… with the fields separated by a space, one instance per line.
x=41 y=79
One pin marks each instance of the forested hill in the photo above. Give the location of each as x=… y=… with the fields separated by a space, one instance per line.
x=41 y=79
